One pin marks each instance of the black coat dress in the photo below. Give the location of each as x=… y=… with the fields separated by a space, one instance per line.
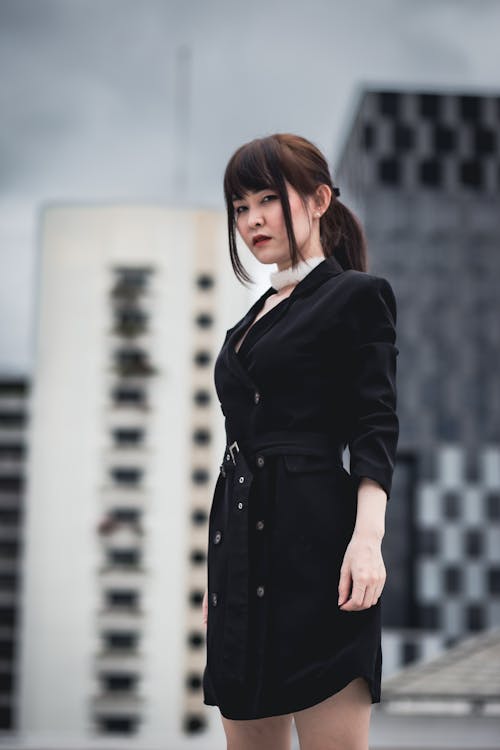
x=315 y=374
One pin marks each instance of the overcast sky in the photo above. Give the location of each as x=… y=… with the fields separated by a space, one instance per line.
x=145 y=100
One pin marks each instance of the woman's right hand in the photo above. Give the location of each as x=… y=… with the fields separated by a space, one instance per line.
x=204 y=607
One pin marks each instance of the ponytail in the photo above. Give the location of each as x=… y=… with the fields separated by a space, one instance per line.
x=342 y=235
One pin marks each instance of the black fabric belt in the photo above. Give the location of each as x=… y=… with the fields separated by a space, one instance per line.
x=240 y=463
x=282 y=442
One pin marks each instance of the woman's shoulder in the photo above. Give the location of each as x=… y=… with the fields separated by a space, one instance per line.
x=352 y=287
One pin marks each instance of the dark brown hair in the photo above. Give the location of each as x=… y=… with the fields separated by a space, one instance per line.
x=265 y=163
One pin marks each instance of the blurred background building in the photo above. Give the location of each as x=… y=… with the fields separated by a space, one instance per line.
x=14 y=395
x=423 y=170
x=123 y=416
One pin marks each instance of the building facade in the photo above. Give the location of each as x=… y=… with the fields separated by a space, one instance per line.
x=126 y=441
x=14 y=422
x=422 y=171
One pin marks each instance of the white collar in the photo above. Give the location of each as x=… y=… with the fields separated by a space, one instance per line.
x=280 y=279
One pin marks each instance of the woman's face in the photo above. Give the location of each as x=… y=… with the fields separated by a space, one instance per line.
x=260 y=214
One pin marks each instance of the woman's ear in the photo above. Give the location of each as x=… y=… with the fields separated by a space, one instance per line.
x=322 y=198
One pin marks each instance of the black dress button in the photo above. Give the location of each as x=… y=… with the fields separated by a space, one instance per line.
x=260 y=461
x=256 y=397
x=240 y=505
x=259 y=525
x=214 y=599
x=217 y=537
x=260 y=591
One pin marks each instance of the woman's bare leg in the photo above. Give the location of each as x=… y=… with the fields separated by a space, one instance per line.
x=341 y=722
x=273 y=733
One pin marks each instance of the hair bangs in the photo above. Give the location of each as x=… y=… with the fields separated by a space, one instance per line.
x=251 y=169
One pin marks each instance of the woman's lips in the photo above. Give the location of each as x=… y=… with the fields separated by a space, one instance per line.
x=262 y=241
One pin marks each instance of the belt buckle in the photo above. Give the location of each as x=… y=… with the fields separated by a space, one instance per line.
x=234 y=446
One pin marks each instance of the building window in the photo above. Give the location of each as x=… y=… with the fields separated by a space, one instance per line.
x=445 y=139
x=196 y=639
x=411 y=652
x=470 y=108
x=119 y=682
x=205 y=281
x=133 y=361
x=474 y=615
x=201 y=436
x=452 y=579
x=201 y=397
x=389 y=171
x=494 y=580
x=452 y=505
x=194 y=682
x=193 y=723
x=471 y=173
x=12 y=419
x=126 y=476
x=129 y=396
x=9 y=581
x=473 y=542
x=200 y=476
x=128 y=436
x=368 y=137
x=130 y=282
x=122 y=641
x=493 y=505
x=428 y=542
x=403 y=137
x=124 y=558
x=11 y=483
x=485 y=141
x=429 y=616
x=389 y=103
x=122 y=599
x=130 y=321
x=13 y=387
x=8 y=616
x=202 y=358
x=198 y=557
x=117 y=724
x=196 y=598
x=7 y=650
x=9 y=516
x=430 y=106
x=204 y=320
x=12 y=450
x=430 y=173
x=9 y=547
x=126 y=515
x=199 y=516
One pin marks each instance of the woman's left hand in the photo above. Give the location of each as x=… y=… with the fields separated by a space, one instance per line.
x=363 y=568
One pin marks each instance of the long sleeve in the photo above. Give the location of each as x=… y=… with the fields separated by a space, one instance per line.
x=374 y=424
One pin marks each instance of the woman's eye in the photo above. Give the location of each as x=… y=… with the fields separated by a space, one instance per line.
x=239 y=209
x=269 y=197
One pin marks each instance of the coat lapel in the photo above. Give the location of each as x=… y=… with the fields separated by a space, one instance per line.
x=322 y=272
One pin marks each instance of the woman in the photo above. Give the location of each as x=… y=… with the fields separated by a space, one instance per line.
x=295 y=570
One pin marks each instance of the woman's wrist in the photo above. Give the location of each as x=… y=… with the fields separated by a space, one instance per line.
x=370 y=516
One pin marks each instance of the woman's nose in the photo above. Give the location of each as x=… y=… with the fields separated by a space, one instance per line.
x=254 y=218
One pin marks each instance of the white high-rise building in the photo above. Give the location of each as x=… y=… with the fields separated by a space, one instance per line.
x=125 y=444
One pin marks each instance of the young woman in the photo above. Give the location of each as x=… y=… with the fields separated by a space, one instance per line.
x=295 y=570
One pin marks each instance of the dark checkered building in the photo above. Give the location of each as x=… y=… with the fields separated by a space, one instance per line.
x=422 y=171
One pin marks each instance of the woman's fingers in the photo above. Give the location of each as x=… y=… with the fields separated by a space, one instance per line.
x=363 y=596
x=344 y=583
